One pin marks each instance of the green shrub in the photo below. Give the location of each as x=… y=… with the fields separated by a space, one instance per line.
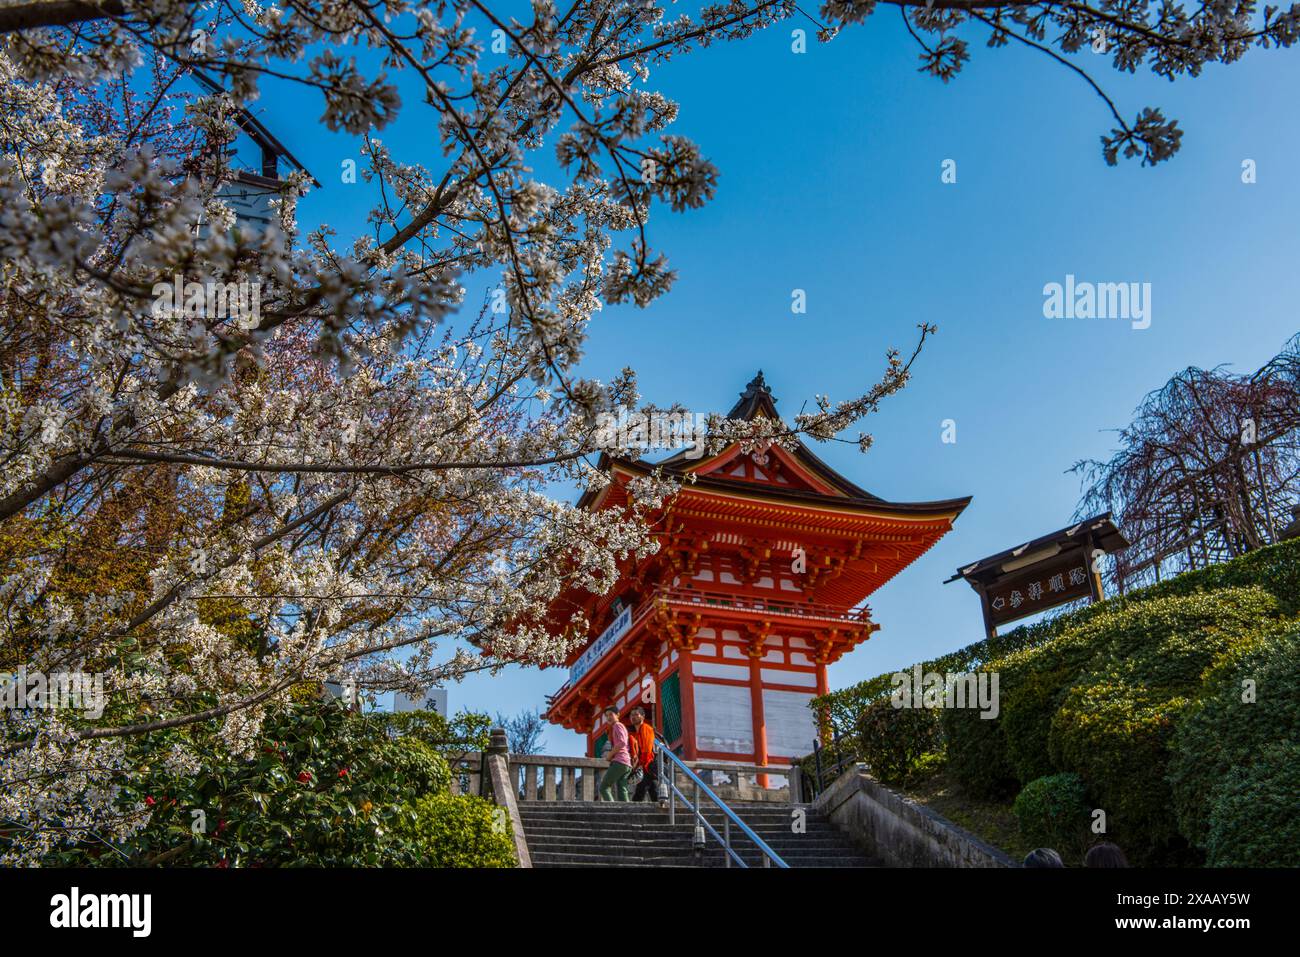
x=1255 y=821
x=1139 y=695
x=417 y=763
x=1033 y=683
x=1053 y=811
x=1115 y=736
x=926 y=766
x=450 y=831
x=977 y=753
x=1169 y=643
x=1275 y=569
x=892 y=740
x=1223 y=731
x=1115 y=722
x=323 y=787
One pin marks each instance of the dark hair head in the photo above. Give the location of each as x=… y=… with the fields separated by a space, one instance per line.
x=611 y=710
x=1043 y=857
x=639 y=711
x=1105 y=854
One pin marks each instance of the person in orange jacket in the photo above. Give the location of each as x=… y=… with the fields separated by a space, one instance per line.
x=644 y=734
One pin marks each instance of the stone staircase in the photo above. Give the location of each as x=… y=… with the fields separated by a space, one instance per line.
x=611 y=834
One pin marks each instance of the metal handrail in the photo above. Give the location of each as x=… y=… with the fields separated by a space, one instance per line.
x=770 y=856
x=816 y=782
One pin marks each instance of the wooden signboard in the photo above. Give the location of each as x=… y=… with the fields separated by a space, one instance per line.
x=1064 y=578
x=1049 y=571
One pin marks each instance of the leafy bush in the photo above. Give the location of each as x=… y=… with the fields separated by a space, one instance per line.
x=1255 y=821
x=1275 y=569
x=892 y=740
x=926 y=767
x=977 y=753
x=1116 y=720
x=1033 y=684
x=448 y=831
x=1139 y=695
x=1223 y=732
x=1116 y=736
x=1053 y=811
x=323 y=787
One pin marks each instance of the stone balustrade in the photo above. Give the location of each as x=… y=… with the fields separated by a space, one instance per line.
x=543 y=777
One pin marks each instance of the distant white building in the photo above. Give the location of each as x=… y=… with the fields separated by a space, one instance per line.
x=250 y=191
x=435 y=699
x=345 y=691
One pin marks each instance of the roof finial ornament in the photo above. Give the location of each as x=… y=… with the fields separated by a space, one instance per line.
x=756 y=385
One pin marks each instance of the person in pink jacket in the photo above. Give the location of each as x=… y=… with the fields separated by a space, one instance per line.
x=620 y=759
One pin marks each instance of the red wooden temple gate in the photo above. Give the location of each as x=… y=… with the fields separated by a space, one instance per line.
x=725 y=634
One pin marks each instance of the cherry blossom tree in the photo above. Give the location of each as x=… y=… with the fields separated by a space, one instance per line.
x=212 y=508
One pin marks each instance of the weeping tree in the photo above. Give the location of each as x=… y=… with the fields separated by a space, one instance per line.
x=215 y=509
x=1209 y=469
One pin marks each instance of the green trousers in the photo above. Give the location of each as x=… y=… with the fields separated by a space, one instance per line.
x=615 y=777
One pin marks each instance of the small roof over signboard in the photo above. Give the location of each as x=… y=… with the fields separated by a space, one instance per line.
x=1099 y=530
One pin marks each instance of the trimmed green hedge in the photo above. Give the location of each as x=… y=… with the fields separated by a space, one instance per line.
x=894 y=739
x=977 y=754
x=1102 y=700
x=1232 y=724
x=1276 y=569
x=1054 y=812
x=1255 y=821
x=1140 y=698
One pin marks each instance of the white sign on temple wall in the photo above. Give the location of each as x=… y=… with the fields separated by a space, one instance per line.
x=724 y=719
x=608 y=638
x=791 y=725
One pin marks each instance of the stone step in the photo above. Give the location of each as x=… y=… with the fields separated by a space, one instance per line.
x=680 y=840
x=617 y=834
x=632 y=847
x=792 y=852
x=800 y=840
x=681 y=823
x=573 y=859
x=597 y=812
x=616 y=806
x=617 y=820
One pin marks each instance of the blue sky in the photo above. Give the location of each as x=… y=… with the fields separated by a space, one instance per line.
x=830 y=182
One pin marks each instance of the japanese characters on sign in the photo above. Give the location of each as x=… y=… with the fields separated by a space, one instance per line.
x=608 y=638
x=1042 y=587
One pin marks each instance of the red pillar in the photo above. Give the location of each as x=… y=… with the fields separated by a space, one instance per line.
x=756 y=707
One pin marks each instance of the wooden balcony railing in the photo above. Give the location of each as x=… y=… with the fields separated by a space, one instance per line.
x=789 y=608
x=783 y=607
